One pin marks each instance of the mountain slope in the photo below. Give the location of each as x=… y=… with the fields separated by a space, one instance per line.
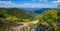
x=15 y=15
x=19 y=13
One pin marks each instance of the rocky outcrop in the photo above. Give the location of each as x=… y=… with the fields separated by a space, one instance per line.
x=7 y=26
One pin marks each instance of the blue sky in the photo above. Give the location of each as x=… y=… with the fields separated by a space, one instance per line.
x=28 y=3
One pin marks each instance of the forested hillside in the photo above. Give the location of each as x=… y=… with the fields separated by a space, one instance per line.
x=15 y=15
x=48 y=20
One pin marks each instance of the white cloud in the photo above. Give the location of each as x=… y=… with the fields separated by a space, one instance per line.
x=6 y=3
x=37 y=6
x=57 y=2
x=40 y=0
x=43 y=0
x=25 y=5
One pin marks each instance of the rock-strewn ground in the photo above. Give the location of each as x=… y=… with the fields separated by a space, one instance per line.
x=22 y=26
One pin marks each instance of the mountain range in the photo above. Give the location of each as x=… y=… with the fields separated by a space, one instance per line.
x=37 y=10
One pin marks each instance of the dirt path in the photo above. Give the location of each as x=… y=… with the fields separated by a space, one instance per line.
x=17 y=28
x=31 y=22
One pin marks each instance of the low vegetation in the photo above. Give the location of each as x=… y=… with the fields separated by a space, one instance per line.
x=48 y=18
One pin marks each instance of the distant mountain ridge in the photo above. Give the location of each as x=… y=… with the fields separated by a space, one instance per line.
x=17 y=12
x=38 y=10
x=35 y=10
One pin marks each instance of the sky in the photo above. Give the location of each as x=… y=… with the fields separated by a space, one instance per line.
x=29 y=3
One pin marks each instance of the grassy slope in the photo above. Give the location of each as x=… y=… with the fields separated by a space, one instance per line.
x=16 y=15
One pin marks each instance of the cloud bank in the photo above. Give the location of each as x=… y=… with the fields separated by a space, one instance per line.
x=56 y=2
x=26 y=5
x=37 y=5
x=6 y=2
